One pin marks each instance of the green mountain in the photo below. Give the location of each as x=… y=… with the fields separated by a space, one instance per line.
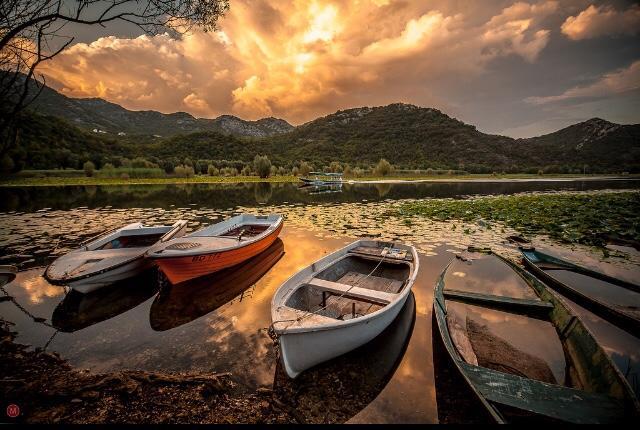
x=408 y=136
x=102 y=116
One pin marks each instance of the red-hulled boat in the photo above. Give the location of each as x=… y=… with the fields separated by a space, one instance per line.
x=216 y=247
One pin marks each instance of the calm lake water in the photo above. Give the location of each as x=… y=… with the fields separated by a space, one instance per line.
x=218 y=323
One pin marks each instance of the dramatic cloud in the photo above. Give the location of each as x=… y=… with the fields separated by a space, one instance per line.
x=604 y=20
x=299 y=59
x=617 y=82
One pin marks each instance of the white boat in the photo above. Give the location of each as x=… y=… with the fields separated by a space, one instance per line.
x=116 y=255
x=7 y=274
x=321 y=178
x=341 y=302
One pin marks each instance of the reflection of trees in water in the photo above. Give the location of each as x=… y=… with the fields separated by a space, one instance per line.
x=383 y=189
x=90 y=190
x=245 y=194
x=263 y=192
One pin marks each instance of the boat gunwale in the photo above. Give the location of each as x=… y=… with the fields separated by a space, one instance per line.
x=273 y=227
x=440 y=312
x=339 y=324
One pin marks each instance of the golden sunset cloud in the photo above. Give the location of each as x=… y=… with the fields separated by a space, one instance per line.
x=299 y=59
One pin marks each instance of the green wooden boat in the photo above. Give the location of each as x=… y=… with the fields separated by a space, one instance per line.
x=532 y=358
x=612 y=299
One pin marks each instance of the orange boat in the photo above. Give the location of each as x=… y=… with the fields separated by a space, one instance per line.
x=216 y=247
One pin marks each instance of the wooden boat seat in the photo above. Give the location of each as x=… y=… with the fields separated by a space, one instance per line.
x=525 y=306
x=371 y=251
x=555 y=401
x=371 y=282
x=357 y=292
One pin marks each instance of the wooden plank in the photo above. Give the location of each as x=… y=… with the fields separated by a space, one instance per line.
x=554 y=401
x=521 y=305
x=372 y=251
x=377 y=296
x=371 y=282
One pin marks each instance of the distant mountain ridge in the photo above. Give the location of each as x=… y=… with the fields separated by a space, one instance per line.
x=96 y=113
x=408 y=136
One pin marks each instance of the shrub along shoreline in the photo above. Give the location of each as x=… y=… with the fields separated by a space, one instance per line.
x=137 y=177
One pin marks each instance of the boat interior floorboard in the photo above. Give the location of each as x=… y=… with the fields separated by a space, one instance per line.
x=375 y=283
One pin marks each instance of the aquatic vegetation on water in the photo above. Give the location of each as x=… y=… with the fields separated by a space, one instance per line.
x=586 y=218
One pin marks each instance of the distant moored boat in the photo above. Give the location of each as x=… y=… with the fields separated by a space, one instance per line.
x=321 y=178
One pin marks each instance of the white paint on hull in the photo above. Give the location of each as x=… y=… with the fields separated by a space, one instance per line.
x=316 y=338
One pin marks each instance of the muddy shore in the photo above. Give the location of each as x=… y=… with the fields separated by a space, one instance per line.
x=49 y=390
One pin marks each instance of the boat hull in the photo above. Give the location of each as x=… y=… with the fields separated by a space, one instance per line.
x=300 y=351
x=182 y=269
x=99 y=280
x=319 y=182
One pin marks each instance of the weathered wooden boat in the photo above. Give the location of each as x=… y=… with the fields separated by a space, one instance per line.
x=176 y=305
x=78 y=311
x=613 y=299
x=216 y=247
x=511 y=382
x=113 y=256
x=341 y=302
x=321 y=178
x=7 y=274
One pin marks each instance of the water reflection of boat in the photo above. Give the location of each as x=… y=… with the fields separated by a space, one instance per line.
x=347 y=384
x=341 y=302
x=216 y=247
x=512 y=383
x=7 y=274
x=176 y=305
x=77 y=311
x=613 y=299
x=321 y=189
x=112 y=257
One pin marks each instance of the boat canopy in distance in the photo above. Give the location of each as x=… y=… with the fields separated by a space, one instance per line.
x=337 y=175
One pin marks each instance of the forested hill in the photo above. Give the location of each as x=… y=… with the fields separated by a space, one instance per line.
x=407 y=136
x=99 y=114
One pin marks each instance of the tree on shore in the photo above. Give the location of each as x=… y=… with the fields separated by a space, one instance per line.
x=304 y=168
x=88 y=168
x=262 y=166
x=383 y=168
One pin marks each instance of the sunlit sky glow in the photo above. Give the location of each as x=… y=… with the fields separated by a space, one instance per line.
x=514 y=68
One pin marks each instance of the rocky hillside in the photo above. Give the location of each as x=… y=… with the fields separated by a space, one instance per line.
x=110 y=118
x=410 y=137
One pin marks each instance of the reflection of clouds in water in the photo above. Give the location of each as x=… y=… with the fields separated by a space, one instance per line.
x=534 y=337
x=623 y=265
x=487 y=274
x=35 y=287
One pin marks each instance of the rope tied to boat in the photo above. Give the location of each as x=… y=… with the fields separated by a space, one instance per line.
x=271 y=329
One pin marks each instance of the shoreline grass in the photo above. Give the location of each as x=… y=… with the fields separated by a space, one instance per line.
x=36 y=181
x=592 y=218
